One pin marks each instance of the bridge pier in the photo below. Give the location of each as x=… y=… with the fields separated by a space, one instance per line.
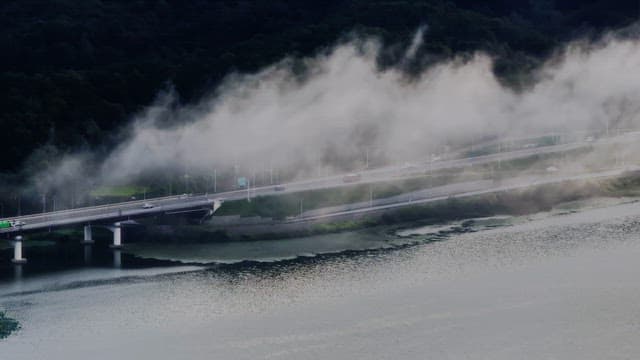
x=116 y=229
x=88 y=235
x=17 y=251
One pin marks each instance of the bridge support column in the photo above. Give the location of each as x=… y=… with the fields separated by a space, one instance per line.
x=88 y=235
x=116 y=229
x=17 y=251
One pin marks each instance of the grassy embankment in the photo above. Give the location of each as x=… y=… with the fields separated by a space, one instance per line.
x=281 y=206
x=118 y=191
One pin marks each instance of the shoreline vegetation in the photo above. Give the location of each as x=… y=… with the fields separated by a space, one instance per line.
x=7 y=325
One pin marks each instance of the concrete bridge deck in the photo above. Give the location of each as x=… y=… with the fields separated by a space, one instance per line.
x=110 y=213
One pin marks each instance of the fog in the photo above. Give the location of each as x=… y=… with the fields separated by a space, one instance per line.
x=331 y=110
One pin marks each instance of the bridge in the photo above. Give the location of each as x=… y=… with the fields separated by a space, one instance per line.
x=112 y=216
x=115 y=216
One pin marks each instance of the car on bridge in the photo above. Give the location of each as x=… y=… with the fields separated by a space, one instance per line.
x=352 y=178
x=279 y=188
x=6 y=224
x=148 y=205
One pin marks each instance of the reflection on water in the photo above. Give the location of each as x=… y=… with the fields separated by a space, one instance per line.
x=88 y=254
x=268 y=251
x=117 y=258
x=17 y=271
x=65 y=257
x=556 y=287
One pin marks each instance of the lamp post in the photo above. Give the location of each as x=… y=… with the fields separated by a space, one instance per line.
x=248 y=189
x=301 y=207
x=367 y=159
x=215 y=180
x=370 y=195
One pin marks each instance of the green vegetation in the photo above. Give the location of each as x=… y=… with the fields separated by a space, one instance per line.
x=35 y=240
x=118 y=191
x=7 y=325
x=73 y=72
x=341 y=226
x=624 y=186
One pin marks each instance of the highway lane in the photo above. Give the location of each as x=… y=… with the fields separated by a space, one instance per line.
x=459 y=190
x=116 y=212
x=396 y=172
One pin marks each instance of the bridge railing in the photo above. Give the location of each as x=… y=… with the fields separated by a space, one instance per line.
x=114 y=212
x=103 y=206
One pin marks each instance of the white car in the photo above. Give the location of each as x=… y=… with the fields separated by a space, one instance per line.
x=148 y=206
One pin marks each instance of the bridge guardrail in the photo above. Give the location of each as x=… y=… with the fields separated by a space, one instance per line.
x=104 y=206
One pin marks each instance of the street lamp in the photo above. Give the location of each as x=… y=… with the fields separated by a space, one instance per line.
x=301 y=208
x=248 y=189
x=370 y=195
x=367 y=159
x=215 y=180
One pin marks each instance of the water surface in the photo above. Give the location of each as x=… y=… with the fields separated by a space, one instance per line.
x=554 y=286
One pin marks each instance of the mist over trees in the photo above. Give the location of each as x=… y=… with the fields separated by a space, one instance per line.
x=74 y=72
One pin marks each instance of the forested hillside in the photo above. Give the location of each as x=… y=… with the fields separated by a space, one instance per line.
x=73 y=72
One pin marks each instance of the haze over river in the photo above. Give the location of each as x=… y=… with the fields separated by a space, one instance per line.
x=561 y=285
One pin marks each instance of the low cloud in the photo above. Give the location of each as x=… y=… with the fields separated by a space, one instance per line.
x=329 y=110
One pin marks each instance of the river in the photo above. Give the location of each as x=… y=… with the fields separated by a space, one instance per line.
x=559 y=285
